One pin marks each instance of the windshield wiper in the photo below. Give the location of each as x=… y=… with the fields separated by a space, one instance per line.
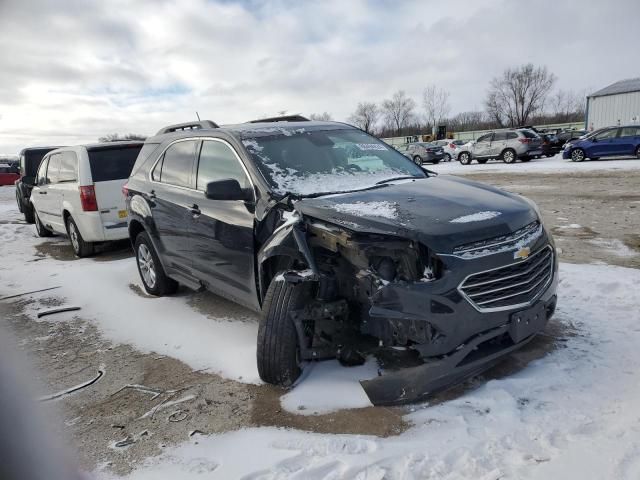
x=404 y=177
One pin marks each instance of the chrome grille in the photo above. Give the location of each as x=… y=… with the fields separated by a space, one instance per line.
x=521 y=236
x=512 y=286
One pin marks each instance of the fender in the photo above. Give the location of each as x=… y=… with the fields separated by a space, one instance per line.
x=288 y=240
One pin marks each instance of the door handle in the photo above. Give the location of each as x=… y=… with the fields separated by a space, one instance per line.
x=195 y=210
x=42 y=193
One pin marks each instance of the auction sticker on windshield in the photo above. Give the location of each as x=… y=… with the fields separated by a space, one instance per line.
x=370 y=146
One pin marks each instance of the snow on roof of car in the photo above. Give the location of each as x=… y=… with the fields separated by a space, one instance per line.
x=623 y=86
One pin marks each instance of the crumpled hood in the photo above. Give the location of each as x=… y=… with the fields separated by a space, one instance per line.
x=441 y=212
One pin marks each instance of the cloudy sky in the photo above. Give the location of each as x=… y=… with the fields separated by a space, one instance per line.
x=73 y=70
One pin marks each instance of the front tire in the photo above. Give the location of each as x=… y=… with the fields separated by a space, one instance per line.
x=509 y=156
x=155 y=280
x=417 y=160
x=80 y=247
x=577 y=155
x=465 y=158
x=41 y=230
x=278 y=348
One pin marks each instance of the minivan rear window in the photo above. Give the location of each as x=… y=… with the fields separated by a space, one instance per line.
x=113 y=163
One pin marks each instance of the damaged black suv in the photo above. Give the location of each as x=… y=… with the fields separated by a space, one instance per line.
x=347 y=248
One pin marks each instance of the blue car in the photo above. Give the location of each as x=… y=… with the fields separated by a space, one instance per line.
x=606 y=142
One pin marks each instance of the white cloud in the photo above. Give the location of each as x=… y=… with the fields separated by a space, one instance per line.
x=74 y=70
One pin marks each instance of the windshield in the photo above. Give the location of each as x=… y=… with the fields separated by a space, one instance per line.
x=308 y=162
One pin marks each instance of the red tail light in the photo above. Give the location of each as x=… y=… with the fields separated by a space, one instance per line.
x=125 y=190
x=452 y=145
x=525 y=140
x=88 y=198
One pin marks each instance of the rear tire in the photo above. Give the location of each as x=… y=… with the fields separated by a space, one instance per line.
x=278 y=349
x=465 y=158
x=509 y=156
x=41 y=230
x=638 y=152
x=19 y=202
x=28 y=213
x=154 y=279
x=417 y=160
x=80 y=247
x=447 y=157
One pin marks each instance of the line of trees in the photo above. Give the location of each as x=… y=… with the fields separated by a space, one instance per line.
x=521 y=95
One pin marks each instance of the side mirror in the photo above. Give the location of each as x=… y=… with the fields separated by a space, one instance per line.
x=227 y=189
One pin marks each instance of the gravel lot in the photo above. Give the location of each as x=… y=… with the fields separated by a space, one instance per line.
x=593 y=215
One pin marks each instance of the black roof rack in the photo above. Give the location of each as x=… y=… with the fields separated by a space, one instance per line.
x=283 y=118
x=201 y=124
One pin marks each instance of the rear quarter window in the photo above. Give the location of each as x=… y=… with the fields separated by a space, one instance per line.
x=113 y=163
x=529 y=134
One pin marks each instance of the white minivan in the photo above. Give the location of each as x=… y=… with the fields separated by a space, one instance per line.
x=78 y=192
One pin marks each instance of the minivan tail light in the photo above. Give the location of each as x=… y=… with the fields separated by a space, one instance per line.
x=525 y=140
x=88 y=198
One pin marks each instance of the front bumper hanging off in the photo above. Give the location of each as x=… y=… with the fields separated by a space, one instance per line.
x=480 y=353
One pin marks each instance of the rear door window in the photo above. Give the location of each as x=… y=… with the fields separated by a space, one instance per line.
x=68 y=167
x=219 y=162
x=485 y=138
x=177 y=164
x=112 y=163
x=53 y=169
x=499 y=136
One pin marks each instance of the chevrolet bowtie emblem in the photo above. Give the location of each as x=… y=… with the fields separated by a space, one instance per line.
x=522 y=253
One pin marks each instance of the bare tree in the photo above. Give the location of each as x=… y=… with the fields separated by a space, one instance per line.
x=321 y=117
x=568 y=105
x=465 y=121
x=366 y=116
x=519 y=93
x=116 y=137
x=398 y=111
x=436 y=105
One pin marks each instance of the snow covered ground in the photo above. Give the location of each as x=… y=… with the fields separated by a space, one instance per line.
x=554 y=164
x=572 y=414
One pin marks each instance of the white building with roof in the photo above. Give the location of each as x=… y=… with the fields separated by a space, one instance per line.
x=617 y=104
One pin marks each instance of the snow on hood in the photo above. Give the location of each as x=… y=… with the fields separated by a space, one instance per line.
x=476 y=217
x=369 y=209
x=424 y=210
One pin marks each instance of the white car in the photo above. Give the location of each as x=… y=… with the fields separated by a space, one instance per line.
x=451 y=148
x=78 y=193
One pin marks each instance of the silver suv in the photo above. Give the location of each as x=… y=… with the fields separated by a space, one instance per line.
x=506 y=145
x=421 y=152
